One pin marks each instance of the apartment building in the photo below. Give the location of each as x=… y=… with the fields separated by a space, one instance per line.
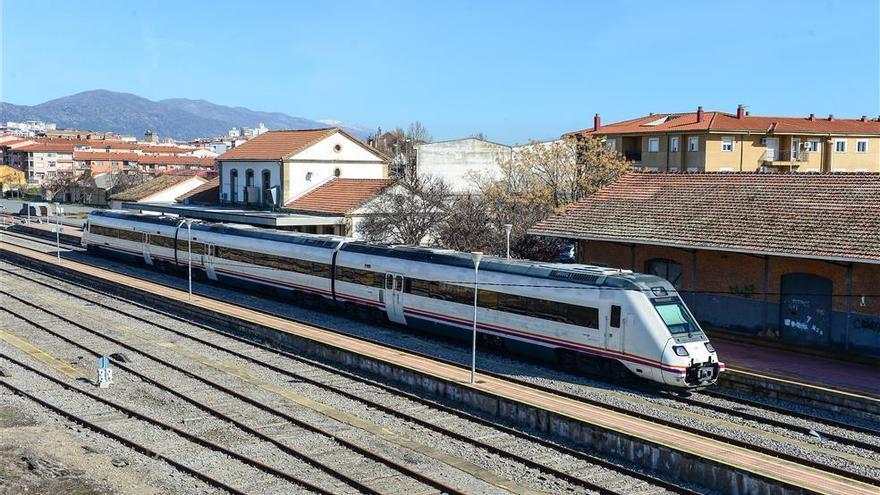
x=705 y=141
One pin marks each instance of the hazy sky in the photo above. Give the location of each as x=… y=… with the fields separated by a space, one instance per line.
x=513 y=70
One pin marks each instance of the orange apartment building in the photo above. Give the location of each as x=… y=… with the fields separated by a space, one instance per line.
x=705 y=141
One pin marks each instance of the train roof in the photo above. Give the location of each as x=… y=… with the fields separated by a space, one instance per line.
x=315 y=240
x=582 y=274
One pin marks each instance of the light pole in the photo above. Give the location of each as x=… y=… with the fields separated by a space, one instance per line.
x=477 y=256
x=189 y=242
x=59 y=211
x=507 y=227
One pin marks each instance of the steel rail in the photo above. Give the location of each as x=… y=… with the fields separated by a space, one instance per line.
x=568 y=395
x=368 y=453
x=155 y=422
x=389 y=410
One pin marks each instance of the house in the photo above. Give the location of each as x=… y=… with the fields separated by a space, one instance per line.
x=343 y=201
x=288 y=163
x=456 y=161
x=705 y=141
x=793 y=258
x=161 y=189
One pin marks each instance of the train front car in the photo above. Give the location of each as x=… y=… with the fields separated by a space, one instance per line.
x=687 y=358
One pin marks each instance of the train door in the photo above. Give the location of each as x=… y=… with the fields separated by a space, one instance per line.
x=394 y=297
x=148 y=257
x=615 y=329
x=208 y=261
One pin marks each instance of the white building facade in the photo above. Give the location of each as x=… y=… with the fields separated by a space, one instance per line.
x=457 y=161
x=293 y=163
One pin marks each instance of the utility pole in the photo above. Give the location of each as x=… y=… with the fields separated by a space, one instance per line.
x=59 y=211
x=190 y=249
x=477 y=256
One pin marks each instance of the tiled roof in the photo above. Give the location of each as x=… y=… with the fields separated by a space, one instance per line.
x=720 y=121
x=105 y=156
x=151 y=187
x=276 y=145
x=175 y=160
x=339 y=196
x=810 y=215
x=208 y=192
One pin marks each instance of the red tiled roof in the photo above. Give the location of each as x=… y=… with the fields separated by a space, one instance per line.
x=339 y=196
x=277 y=145
x=208 y=192
x=823 y=216
x=153 y=186
x=175 y=160
x=105 y=156
x=719 y=121
x=47 y=147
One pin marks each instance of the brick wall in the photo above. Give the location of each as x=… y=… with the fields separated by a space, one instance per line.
x=729 y=289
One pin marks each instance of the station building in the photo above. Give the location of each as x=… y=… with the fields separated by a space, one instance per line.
x=792 y=259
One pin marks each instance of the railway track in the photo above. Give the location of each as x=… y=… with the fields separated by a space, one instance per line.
x=808 y=462
x=397 y=412
x=545 y=469
x=61 y=390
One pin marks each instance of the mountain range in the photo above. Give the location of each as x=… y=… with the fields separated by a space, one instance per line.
x=179 y=118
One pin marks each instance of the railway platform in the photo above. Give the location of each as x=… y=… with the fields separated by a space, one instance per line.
x=800 y=367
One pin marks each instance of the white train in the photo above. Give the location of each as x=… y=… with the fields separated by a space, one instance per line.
x=587 y=317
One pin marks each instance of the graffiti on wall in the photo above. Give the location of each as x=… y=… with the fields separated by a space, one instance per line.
x=867 y=324
x=803 y=317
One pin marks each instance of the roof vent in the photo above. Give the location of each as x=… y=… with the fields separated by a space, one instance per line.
x=699 y=114
x=812 y=117
x=830 y=117
x=864 y=118
x=740 y=111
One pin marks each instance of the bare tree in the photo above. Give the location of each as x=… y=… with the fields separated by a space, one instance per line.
x=57 y=183
x=478 y=135
x=407 y=213
x=418 y=133
x=468 y=226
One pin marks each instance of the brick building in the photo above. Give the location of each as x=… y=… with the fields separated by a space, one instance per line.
x=793 y=258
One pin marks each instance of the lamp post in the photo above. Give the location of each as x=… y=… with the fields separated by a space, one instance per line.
x=507 y=228
x=189 y=242
x=477 y=256
x=59 y=211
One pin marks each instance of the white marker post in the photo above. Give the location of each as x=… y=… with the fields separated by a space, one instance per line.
x=477 y=256
x=105 y=373
x=507 y=228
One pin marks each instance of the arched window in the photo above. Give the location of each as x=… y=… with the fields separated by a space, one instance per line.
x=668 y=269
x=233 y=185
x=337 y=172
x=249 y=178
x=267 y=184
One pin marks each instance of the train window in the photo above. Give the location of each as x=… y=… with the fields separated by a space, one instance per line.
x=183 y=246
x=668 y=269
x=162 y=241
x=615 y=316
x=676 y=317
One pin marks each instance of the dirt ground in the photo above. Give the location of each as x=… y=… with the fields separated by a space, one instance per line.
x=57 y=458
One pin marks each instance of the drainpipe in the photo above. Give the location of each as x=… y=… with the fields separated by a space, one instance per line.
x=849 y=294
x=668 y=138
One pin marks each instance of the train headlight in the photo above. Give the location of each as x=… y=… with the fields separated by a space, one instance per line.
x=680 y=350
x=710 y=348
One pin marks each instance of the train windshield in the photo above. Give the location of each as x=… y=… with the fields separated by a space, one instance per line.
x=676 y=316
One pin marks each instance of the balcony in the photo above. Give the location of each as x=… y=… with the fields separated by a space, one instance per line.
x=633 y=156
x=785 y=158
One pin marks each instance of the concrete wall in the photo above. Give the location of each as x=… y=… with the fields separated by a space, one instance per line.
x=741 y=293
x=453 y=161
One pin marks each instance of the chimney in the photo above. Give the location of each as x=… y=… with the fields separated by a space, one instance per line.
x=740 y=112
x=864 y=118
x=830 y=117
x=597 y=122
x=699 y=114
x=812 y=117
